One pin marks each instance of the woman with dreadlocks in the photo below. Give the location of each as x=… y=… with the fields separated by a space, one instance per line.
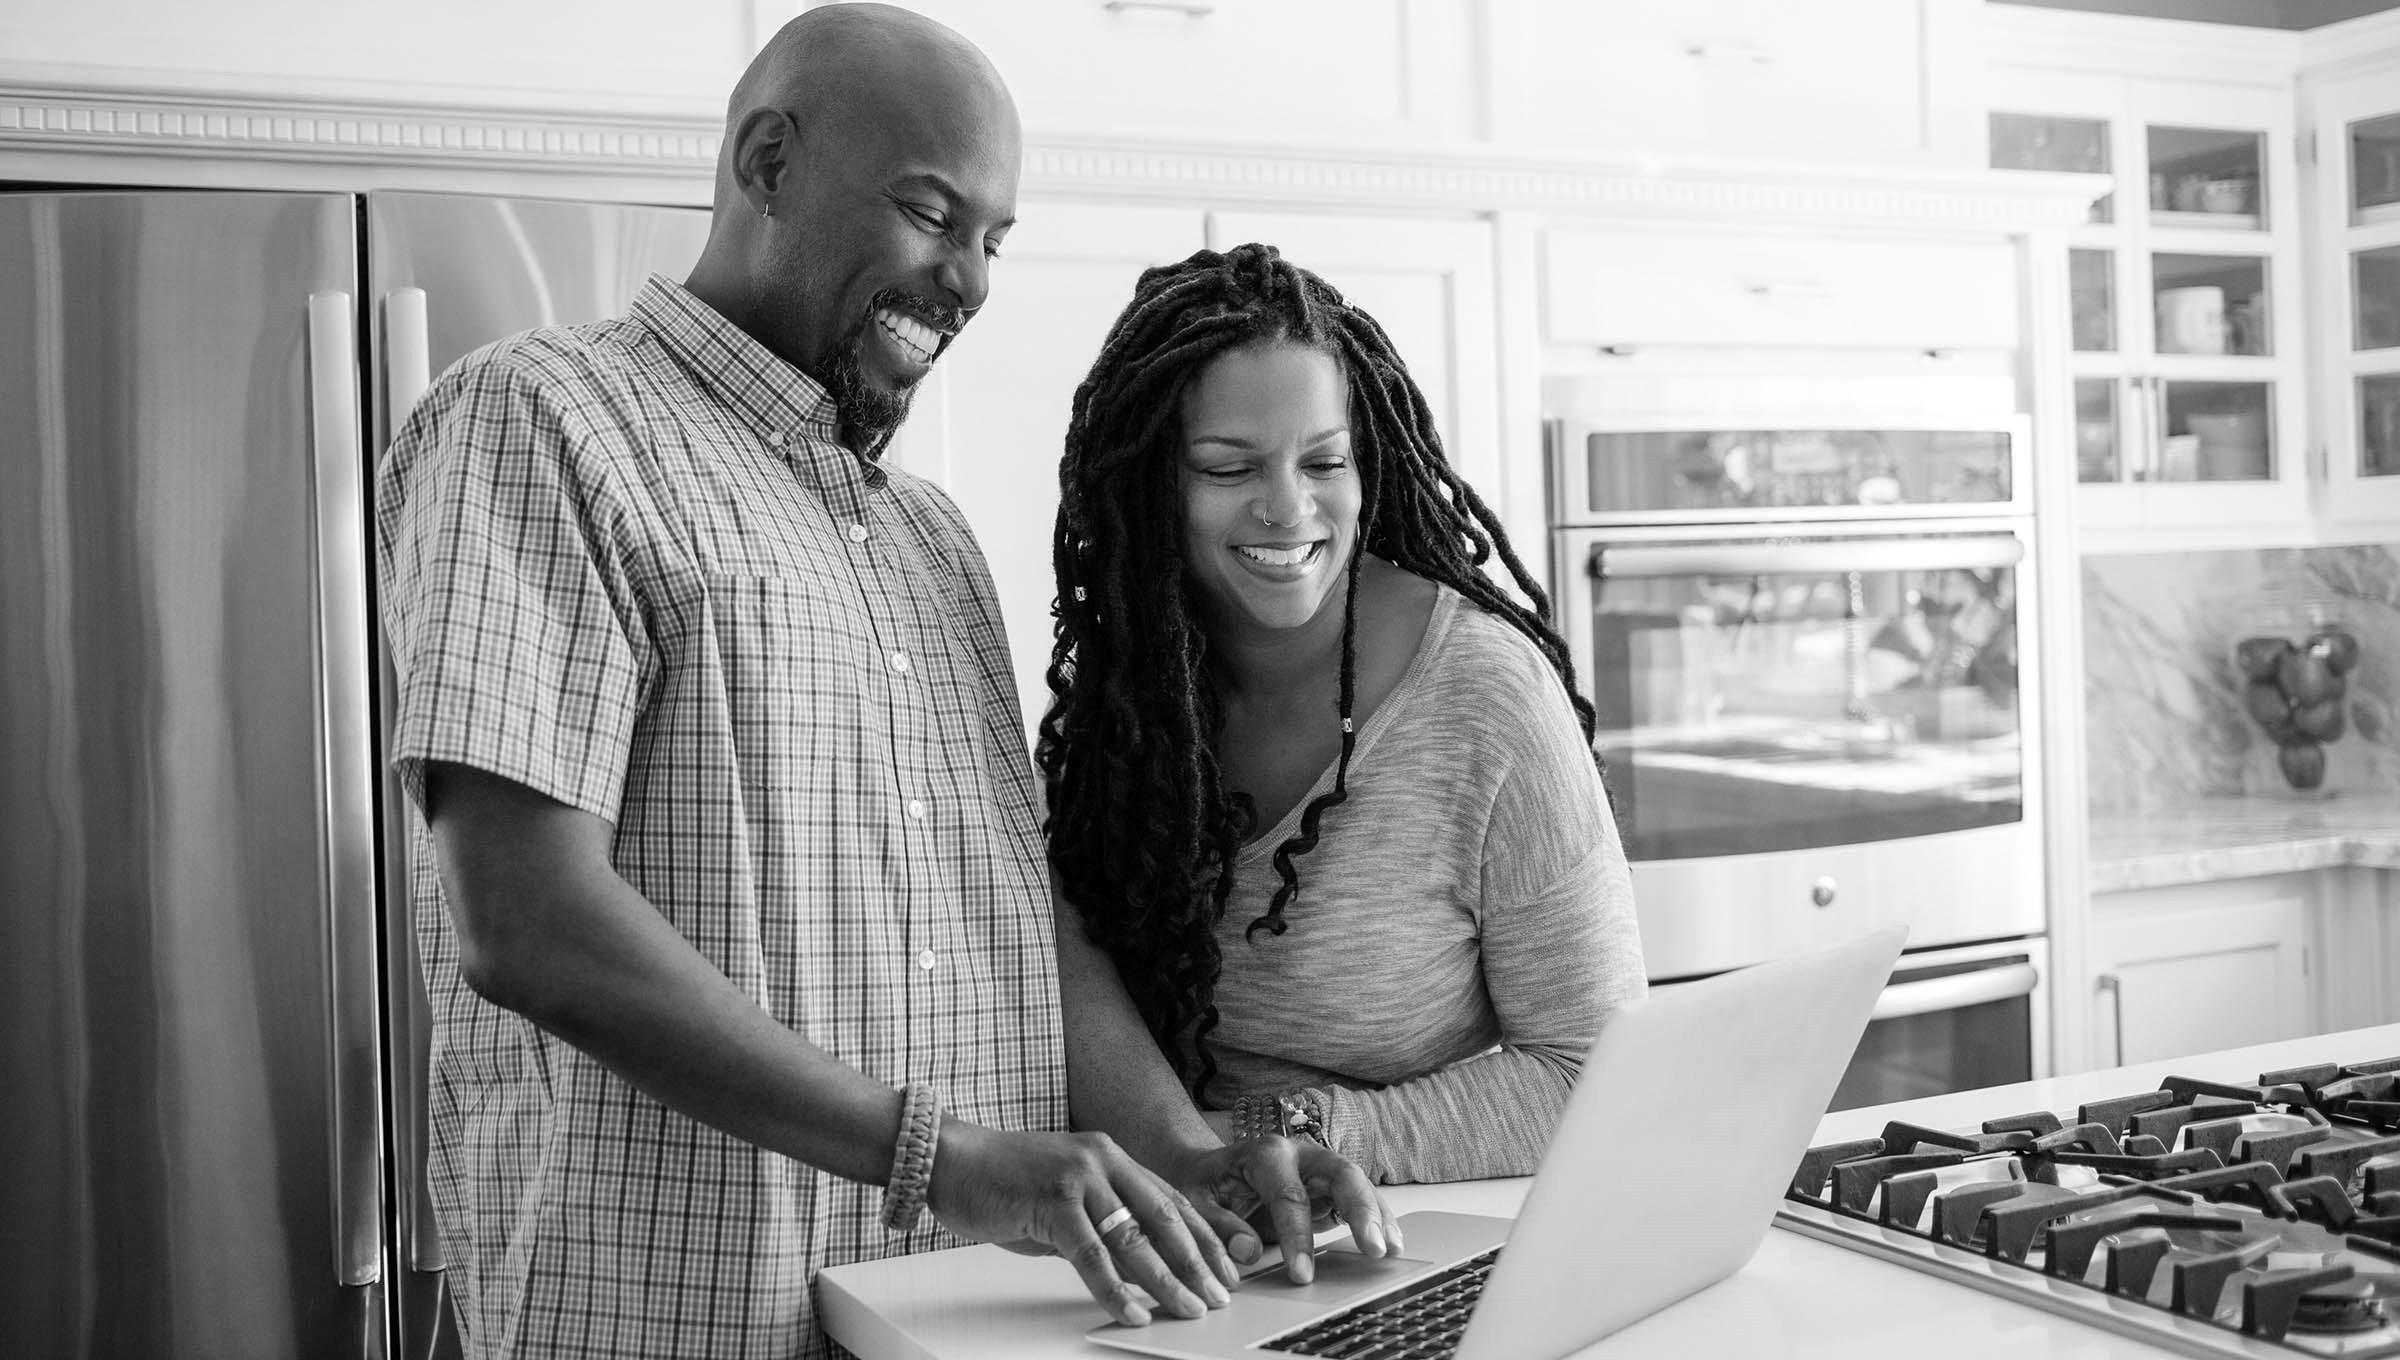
x=1321 y=789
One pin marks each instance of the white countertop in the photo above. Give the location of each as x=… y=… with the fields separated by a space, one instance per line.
x=1798 y=1299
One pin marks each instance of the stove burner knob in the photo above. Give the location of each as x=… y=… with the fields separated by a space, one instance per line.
x=1821 y=892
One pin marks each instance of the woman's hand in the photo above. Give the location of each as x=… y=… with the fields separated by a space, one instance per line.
x=1288 y=1186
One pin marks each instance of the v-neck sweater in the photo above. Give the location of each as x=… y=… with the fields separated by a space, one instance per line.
x=1463 y=928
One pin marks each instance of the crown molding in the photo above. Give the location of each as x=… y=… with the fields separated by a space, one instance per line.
x=1478 y=177
x=51 y=130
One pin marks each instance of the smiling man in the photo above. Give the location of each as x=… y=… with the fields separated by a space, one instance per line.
x=727 y=864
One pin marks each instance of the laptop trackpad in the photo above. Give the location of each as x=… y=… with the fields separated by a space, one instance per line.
x=1342 y=1275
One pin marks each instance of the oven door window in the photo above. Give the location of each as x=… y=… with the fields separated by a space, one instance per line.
x=1935 y=1051
x=1776 y=696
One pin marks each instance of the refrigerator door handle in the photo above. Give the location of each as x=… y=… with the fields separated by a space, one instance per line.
x=347 y=763
x=409 y=342
x=408 y=371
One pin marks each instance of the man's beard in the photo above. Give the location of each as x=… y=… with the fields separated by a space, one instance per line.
x=870 y=415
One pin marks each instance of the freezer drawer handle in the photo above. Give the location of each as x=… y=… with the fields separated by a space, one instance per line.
x=1956 y=992
x=347 y=751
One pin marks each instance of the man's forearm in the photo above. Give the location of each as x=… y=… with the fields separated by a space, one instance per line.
x=1117 y=1080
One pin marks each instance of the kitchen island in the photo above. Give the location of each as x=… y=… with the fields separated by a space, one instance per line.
x=1799 y=1297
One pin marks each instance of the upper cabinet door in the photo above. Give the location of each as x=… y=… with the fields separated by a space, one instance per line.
x=2187 y=337
x=1827 y=81
x=1233 y=69
x=2355 y=131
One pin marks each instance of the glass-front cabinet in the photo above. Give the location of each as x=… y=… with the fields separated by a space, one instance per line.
x=2355 y=126
x=2187 y=346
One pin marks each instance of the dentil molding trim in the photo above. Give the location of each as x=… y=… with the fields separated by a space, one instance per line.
x=86 y=135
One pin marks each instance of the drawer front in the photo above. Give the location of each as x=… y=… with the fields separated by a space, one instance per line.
x=1615 y=288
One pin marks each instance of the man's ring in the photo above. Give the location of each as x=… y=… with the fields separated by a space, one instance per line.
x=1116 y=1220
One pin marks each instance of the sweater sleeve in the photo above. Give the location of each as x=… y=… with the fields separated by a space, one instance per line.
x=1560 y=949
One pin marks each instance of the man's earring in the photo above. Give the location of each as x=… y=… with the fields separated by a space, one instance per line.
x=766 y=208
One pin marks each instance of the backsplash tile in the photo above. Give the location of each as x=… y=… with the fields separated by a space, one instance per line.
x=2162 y=698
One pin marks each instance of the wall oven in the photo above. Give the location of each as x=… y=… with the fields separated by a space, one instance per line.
x=1810 y=638
x=1952 y=1020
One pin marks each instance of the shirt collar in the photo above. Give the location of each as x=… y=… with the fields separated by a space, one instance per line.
x=789 y=410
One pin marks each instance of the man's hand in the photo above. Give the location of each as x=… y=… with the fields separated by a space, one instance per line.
x=1291 y=1187
x=1048 y=1193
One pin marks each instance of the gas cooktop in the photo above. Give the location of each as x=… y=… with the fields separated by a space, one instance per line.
x=2209 y=1217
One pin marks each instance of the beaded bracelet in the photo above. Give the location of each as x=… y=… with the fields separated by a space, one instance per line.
x=1253 y=1116
x=912 y=1156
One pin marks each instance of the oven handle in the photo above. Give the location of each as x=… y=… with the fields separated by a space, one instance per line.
x=1956 y=992
x=1816 y=555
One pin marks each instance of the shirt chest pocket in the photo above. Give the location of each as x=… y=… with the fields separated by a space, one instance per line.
x=803 y=686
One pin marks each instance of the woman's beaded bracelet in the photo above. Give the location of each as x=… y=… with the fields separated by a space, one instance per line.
x=912 y=1156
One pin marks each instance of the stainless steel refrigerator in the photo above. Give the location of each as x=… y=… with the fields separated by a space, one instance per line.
x=212 y=1127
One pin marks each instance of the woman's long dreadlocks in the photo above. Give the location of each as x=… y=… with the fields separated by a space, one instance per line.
x=1142 y=830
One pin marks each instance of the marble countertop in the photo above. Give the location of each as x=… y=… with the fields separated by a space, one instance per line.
x=2203 y=839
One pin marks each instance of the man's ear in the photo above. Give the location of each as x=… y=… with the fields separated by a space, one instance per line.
x=764 y=143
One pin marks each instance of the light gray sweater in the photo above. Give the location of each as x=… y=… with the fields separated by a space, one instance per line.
x=1462 y=929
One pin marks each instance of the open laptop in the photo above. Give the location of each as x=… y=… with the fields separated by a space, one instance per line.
x=1693 y=1110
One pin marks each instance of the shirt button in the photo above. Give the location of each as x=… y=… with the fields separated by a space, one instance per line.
x=916 y=807
x=925 y=959
x=858 y=533
x=900 y=662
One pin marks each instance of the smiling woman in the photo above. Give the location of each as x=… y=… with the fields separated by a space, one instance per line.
x=1270 y=496
x=1279 y=665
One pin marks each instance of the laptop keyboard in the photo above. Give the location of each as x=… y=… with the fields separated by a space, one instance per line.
x=1422 y=1321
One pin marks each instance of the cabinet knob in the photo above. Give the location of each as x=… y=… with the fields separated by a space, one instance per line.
x=1822 y=891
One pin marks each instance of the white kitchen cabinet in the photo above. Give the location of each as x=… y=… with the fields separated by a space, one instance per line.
x=2353 y=131
x=2188 y=338
x=2191 y=969
x=1429 y=283
x=1628 y=288
x=990 y=420
x=1827 y=81
x=1328 y=70
x=2358 y=979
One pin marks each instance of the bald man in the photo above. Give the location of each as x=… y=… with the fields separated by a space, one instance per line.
x=727 y=864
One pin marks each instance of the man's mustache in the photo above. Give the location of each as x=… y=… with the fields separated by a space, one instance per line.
x=942 y=316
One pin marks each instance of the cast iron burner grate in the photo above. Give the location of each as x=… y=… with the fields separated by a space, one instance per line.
x=2256 y=1214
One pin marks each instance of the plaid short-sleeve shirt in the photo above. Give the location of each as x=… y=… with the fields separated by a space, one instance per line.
x=627 y=565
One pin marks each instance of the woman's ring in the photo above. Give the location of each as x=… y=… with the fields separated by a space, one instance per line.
x=1116 y=1220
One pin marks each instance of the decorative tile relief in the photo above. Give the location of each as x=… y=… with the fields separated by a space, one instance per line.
x=2164 y=720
